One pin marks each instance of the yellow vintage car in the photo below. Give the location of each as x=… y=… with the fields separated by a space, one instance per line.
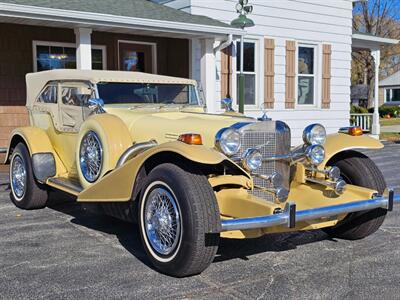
x=142 y=148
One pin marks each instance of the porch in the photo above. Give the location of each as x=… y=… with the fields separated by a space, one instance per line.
x=360 y=41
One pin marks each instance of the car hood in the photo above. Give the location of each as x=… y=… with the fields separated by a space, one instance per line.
x=165 y=126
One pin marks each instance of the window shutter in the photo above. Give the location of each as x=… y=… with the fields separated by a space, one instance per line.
x=326 y=75
x=226 y=72
x=269 y=73
x=290 y=74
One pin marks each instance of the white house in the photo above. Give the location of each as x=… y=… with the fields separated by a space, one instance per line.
x=297 y=58
x=390 y=89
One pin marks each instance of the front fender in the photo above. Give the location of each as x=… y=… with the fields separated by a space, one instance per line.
x=339 y=142
x=118 y=185
x=37 y=141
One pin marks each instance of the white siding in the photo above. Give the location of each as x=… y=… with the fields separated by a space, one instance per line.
x=306 y=21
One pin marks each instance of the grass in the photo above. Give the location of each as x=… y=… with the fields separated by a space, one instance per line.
x=390 y=136
x=387 y=122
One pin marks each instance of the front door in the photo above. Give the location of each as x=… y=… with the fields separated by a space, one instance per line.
x=135 y=57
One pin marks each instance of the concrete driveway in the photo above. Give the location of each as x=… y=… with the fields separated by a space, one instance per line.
x=66 y=252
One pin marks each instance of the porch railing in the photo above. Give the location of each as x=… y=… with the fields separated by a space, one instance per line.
x=362 y=120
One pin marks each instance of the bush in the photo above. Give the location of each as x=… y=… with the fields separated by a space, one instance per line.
x=358 y=110
x=386 y=110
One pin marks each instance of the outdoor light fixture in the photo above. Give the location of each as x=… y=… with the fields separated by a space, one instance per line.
x=243 y=9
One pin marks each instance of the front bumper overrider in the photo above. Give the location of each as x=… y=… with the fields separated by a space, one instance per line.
x=289 y=216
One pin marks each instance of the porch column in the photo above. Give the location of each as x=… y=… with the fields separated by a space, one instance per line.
x=83 y=48
x=376 y=128
x=208 y=73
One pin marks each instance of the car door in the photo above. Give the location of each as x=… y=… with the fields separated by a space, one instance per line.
x=73 y=106
x=73 y=110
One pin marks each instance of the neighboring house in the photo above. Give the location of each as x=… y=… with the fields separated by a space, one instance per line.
x=390 y=90
x=297 y=58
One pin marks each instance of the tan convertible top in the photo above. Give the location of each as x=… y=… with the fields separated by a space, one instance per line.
x=35 y=82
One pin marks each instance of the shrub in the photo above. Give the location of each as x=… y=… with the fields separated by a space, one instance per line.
x=354 y=109
x=386 y=110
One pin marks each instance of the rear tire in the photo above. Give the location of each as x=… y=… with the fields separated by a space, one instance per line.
x=358 y=169
x=187 y=215
x=26 y=192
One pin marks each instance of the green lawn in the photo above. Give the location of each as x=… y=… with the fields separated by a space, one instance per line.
x=387 y=122
x=390 y=136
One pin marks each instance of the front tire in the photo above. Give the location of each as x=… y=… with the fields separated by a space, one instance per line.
x=360 y=170
x=178 y=220
x=26 y=192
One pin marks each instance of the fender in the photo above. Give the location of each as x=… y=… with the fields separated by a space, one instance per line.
x=44 y=158
x=118 y=185
x=339 y=142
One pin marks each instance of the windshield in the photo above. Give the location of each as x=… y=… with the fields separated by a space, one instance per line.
x=147 y=93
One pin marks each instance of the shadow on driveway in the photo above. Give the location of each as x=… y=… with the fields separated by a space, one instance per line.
x=129 y=237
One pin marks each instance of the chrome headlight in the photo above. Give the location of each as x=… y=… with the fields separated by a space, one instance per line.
x=314 y=134
x=252 y=159
x=228 y=141
x=315 y=154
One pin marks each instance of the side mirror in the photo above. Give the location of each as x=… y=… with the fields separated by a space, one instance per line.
x=96 y=105
x=227 y=104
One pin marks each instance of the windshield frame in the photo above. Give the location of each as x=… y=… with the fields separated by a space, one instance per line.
x=195 y=93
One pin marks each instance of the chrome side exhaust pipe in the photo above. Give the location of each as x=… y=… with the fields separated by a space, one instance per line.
x=134 y=150
x=290 y=216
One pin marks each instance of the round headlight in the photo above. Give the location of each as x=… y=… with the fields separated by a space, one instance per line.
x=315 y=154
x=228 y=141
x=314 y=134
x=252 y=159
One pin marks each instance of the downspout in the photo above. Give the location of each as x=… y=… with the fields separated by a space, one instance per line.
x=225 y=44
x=222 y=46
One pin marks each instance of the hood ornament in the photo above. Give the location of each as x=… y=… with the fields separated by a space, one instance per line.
x=264 y=117
x=227 y=104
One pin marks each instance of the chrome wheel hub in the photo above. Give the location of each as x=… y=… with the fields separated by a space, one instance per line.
x=91 y=156
x=18 y=176
x=162 y=221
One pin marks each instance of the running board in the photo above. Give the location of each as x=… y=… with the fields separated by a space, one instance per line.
x=65 y=184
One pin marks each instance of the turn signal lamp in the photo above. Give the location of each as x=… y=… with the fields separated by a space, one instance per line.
x=191 y=139
x=355 y=131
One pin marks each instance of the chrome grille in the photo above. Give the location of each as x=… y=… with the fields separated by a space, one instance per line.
x=271 y=138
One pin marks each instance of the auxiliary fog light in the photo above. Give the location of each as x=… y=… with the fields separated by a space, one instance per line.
x=281 y=194
x=252 y=159
x=315 y=154
x=340 y=186
x=276 y=179
x=333 y=173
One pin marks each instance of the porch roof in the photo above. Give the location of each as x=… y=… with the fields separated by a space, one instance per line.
x=142 y=15
x=369 y=41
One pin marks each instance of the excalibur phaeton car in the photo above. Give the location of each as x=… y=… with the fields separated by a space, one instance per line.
x=142 y=147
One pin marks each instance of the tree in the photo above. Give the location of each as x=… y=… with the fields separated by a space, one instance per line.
x=380 y=18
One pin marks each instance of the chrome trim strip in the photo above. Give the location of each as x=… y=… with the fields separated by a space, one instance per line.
x=3 y=150
x=135 y=150
x=309 y=214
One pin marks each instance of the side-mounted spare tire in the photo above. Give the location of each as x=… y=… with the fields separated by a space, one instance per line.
x=101 y=141
x=358 y=169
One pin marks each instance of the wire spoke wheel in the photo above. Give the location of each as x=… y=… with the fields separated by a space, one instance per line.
x=162 y=220
x=91 y=156
x=18 y=177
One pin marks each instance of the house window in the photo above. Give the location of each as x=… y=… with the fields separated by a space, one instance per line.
x=392 y=94
x=51 y=55
x=250 y=71
x=306 y=75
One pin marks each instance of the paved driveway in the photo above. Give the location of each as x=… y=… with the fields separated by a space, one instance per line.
x=66 y=252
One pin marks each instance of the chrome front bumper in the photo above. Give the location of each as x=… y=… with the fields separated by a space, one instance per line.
x=289 y=216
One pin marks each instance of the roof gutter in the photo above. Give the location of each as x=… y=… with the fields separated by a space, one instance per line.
x=96 y=19
x=225 y=44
